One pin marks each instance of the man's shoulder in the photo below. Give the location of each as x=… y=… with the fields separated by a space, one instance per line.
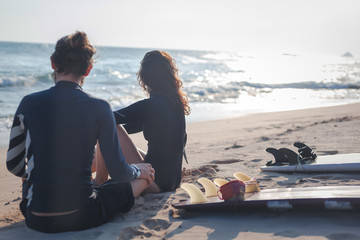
x=33 y=98
x=99 y=105
x=99 y=102
x=38 y=94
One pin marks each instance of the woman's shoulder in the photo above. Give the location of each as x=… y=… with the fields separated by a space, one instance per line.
x=158 y=99
x=162 y=105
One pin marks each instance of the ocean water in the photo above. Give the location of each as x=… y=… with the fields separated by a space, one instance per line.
x=218 y=84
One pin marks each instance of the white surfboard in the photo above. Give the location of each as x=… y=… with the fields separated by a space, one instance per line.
x=315 y=198
x=323 y=197
x=330 y=163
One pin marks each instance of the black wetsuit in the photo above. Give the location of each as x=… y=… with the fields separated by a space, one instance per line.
x=164 y=128
x=52 y=144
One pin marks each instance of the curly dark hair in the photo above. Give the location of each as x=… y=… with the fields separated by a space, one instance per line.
x=158 y=74
x=73 y=54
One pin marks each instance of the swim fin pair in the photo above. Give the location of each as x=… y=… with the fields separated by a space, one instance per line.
x=285 y=156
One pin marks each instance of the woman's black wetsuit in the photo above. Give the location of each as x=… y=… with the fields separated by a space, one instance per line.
x=163 y=127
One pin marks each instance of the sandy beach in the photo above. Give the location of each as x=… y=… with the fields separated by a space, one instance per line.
x=218 y=149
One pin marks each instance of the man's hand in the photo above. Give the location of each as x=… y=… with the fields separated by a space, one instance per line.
x=147 y=172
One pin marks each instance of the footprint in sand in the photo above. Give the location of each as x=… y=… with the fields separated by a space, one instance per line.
x=151 y=228
x=227 y=161
x=263 y=139
x=130 y=232
x=256 y=160
x=234 y=146
x=156 y=224
x=195 y=173
x=336 y=120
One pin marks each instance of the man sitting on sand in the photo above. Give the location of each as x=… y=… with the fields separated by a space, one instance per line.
x=52 y=143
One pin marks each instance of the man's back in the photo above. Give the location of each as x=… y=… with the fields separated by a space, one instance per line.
x=61 y=129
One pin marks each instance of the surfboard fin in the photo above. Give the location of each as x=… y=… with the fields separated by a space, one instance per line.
x=219 y=181
x=241 y=176
x=250 y=183
x=280 y=158
x=286 y=156
x=305 y=151
x=292 y=157
x=210 y=187
x=196 y=195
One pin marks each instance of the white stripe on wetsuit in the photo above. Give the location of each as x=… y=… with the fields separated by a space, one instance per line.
x=17 y=150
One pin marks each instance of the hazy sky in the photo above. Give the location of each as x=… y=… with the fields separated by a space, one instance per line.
x=326 y=26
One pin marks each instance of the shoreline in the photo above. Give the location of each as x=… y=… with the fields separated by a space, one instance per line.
x=203 y=112
x=217 y=148
x=202 y=116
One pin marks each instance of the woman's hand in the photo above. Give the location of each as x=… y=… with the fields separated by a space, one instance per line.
x=147 y=172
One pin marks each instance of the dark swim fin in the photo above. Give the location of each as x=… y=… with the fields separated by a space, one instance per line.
x=305 y=151
x=286 y=156
x=291 y=155
x=300 y=145
x=280 y=159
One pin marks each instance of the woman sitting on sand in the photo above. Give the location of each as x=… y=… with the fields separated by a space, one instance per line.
x=160 y=117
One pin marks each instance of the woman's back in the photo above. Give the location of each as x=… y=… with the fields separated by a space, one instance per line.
x=163 y=127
